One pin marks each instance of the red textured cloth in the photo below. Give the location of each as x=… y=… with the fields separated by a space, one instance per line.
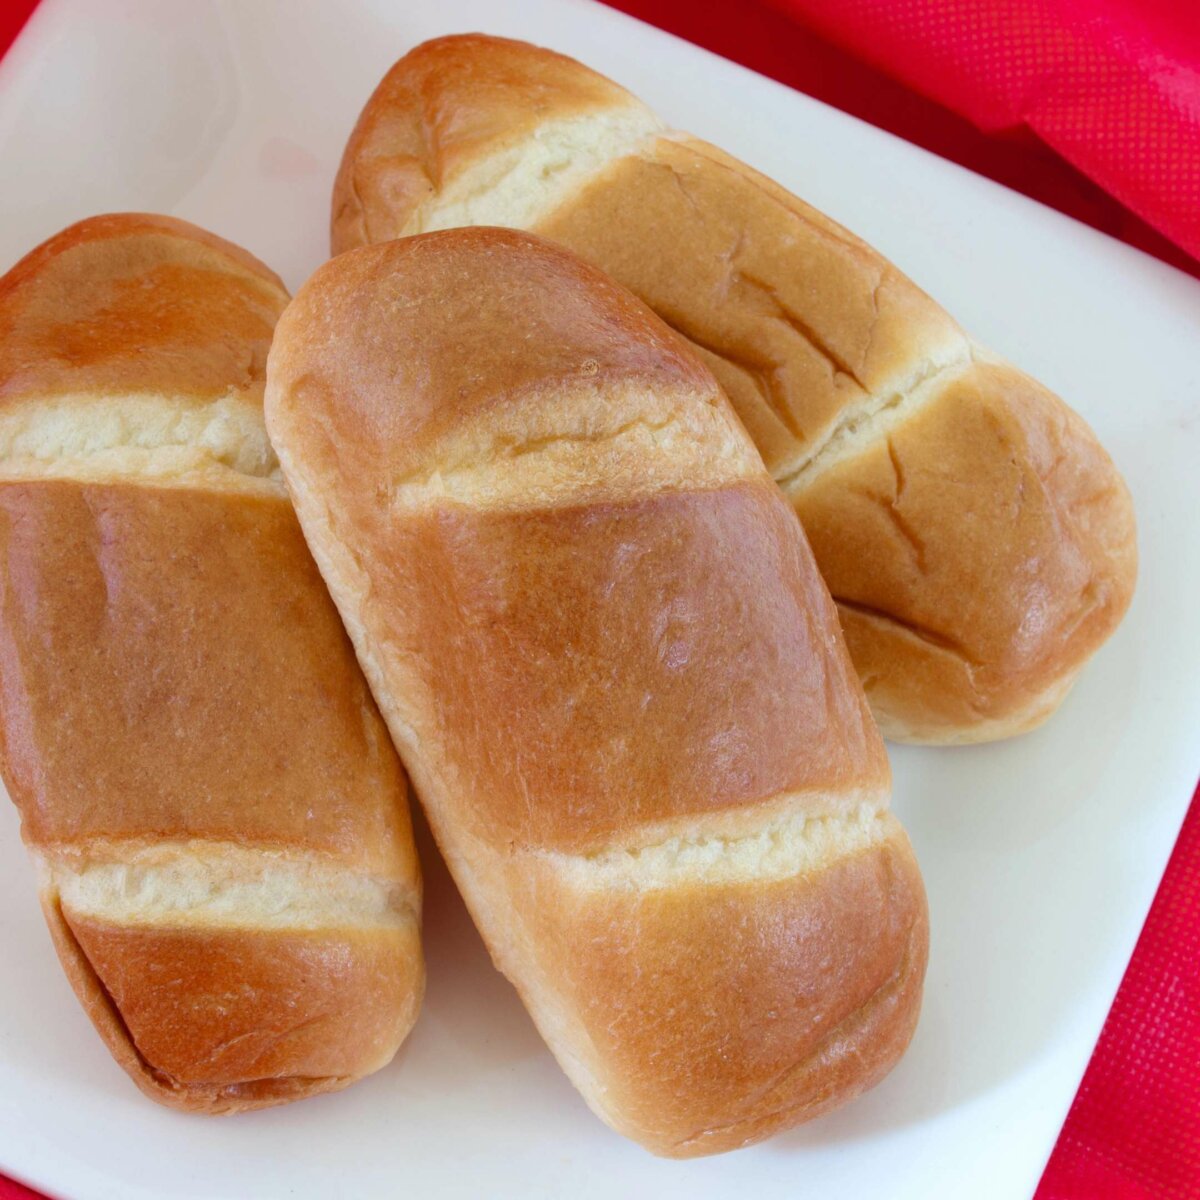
x=13 y=16
x=1113 y=86
x=11 y=1190
x=1092 y=106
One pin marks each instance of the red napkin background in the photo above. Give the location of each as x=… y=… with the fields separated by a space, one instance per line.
x=1093 y=107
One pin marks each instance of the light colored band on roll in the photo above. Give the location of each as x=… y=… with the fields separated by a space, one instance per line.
x=866 y=422
x=520 y=184
x=220 y=885
x=160 y=441
x=607 y=446
x=788 y=844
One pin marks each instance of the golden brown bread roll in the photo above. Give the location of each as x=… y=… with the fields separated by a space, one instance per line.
x=218 y=815
x=977 y=538
x=615 y=676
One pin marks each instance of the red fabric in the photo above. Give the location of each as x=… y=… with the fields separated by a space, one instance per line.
x=1092 y=106
x=10 y=1190
x=13 y=15
x=1113 y=86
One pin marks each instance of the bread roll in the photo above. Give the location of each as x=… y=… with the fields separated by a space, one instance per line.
x=217 y=812
x=615 y=676
x=978 y=540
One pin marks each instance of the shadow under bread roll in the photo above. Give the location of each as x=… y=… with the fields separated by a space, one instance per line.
x=219 y=817
x=613 y=672
x=977 y=538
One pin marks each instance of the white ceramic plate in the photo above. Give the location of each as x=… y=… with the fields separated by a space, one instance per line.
x=1041 y=855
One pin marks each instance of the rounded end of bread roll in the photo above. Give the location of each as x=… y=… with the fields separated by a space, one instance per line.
x=980 y=550
x=115 y=228
x=451 y=120
x=133 y=303
x=733 y=988
x=224 y=1021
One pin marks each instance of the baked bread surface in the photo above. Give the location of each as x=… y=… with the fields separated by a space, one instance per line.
x=614 y=674
x=218 y=816
x=977 y=538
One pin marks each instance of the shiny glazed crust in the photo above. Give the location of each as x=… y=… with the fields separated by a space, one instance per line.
x=214 y=804
x=602 y=646
x=979 y=541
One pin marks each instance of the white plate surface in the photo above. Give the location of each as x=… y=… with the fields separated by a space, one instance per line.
x=1041 y=855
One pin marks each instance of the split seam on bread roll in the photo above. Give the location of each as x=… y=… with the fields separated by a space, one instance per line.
x=221 y=885
x=791 y=845
x=557 y=158
x=164 y=441
x=870 y=421
x=676 y=439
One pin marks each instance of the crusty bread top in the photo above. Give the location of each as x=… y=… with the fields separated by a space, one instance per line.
x=980 y=552
x=543 y=323
x=131 y=303
x=454 y=101
x=807 y=328
x=579 y=495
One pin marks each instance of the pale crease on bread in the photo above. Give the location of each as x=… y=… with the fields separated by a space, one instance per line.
x=978 y=540
x=217 y=813
x=613 y=672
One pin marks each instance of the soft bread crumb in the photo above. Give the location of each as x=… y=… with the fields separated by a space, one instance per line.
x=591 y=445
x=860 y=426
x=220 y=443
x=220 y=885
x=519 y=184
x=788 y=845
